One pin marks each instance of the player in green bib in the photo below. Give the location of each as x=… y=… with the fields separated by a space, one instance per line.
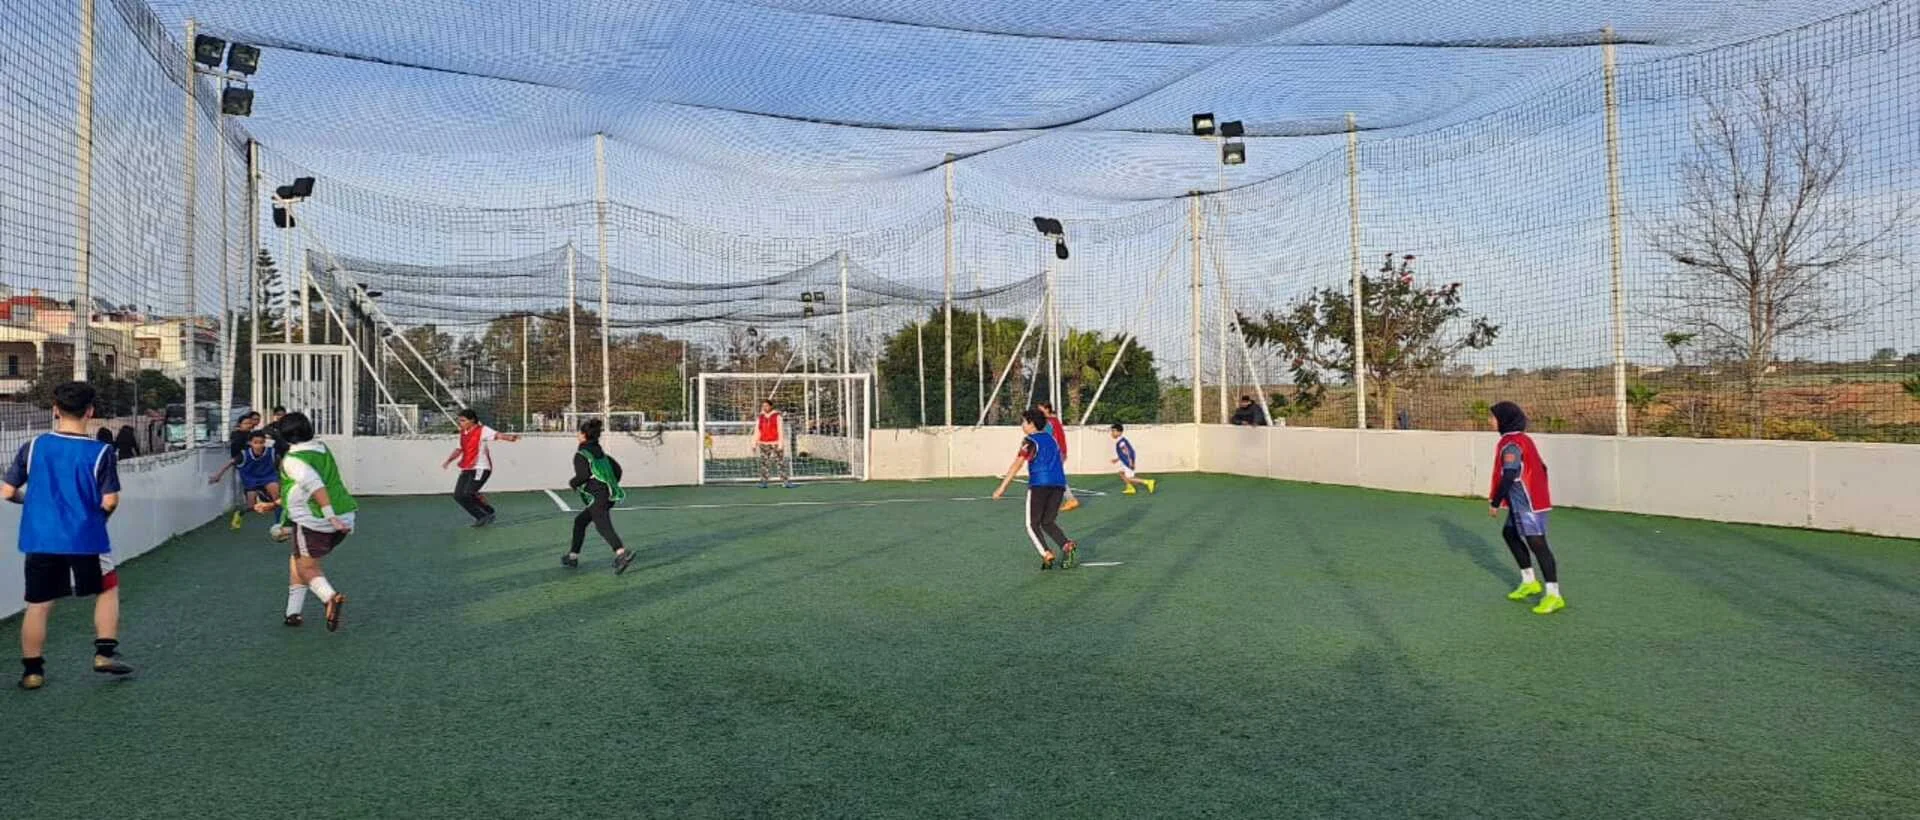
x=317 y=515
x=596 y=476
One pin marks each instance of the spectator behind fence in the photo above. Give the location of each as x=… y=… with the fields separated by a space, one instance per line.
x=1249 y=414
x=127 y=444
x=104 y=435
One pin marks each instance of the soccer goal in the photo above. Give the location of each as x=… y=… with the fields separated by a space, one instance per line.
x=827 y=425
x=618 y=421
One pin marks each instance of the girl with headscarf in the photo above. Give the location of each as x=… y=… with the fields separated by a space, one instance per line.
x=1520 y=485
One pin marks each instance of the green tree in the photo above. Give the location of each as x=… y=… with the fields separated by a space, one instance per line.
x=1132 y=396
x=1640 y=396
x=1411 y=331
x=1885 y=355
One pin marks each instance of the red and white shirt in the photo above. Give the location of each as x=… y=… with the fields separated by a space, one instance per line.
x=1059 y=432
x=770 y=428
x=473 y=447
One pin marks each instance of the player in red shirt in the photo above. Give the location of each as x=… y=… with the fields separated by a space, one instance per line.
x=1520 y=485
x=771 y=444
x=1059 y=432
x=476 y=465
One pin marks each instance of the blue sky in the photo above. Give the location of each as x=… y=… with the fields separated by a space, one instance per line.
x=744 y=138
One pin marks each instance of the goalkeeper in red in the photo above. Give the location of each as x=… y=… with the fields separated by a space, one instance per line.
x=1520 y=485
x=1046 y=483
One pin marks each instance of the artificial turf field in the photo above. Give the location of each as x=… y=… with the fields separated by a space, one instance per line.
x=1264 y=649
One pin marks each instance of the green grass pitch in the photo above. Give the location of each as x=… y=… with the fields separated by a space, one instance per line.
x=1263 y=650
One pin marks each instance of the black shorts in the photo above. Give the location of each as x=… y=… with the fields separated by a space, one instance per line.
x=314 y=543
x=51 y=576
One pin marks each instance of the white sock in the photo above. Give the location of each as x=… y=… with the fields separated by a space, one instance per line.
x=1526 y=575
x=296 y=598
x=1553 y=588
x=321 y=589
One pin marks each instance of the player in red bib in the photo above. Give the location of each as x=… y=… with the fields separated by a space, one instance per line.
x=476 y=465
x=1520 y=485
x=1059 y=432
x=770 y=443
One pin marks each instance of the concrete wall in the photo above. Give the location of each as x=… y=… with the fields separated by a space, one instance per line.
x=1863 y=487
x=411 y=466
x=986 y=451
x=161 y=497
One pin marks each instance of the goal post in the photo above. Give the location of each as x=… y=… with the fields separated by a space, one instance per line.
x=828 y=423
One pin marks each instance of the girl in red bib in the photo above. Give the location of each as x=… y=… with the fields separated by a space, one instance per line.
x=1520 y=485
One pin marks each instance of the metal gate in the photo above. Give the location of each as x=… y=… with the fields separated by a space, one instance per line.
x=317 y=380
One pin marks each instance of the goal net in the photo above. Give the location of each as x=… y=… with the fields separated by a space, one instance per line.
x=825 y=431
x=618 y=421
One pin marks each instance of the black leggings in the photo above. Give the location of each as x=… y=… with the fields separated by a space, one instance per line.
x=600 y=515
x=466 y=492
x=1043 y=509
x=1549 y=571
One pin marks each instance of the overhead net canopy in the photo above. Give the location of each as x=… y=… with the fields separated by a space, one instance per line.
x=1556 y=170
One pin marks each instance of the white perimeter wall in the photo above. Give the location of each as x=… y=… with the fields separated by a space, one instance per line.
x=411 y=466
x=1868 y=488
x=159 y=499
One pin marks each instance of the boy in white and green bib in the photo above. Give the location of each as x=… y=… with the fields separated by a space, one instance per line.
x=316 y=514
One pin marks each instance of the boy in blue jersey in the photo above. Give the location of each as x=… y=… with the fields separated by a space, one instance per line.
x=75 y=484
x=1124 y=456
x=258 y=467
x=1046 y=485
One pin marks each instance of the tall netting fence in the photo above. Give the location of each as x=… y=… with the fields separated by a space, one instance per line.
x=1704 y=238
x=124 y=225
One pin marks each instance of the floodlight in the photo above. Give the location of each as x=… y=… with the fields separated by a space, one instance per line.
x=1060 y=247
x=806 y=312
x=1233 y=153
x=820 y=296
x=282 y=218
x=1203 y=125
x=303 y=187
x=806 y=297
x=1233 y=129
x=236 y=102
x=243 y=59
x=1049 y=226
x=208 y=49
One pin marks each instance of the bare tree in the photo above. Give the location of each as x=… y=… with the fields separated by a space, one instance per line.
x=1765 y=235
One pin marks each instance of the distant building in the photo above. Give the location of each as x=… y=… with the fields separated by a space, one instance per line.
x=36 y=328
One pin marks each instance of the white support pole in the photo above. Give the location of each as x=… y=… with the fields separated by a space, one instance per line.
x=1216 y=233
x=920 y=353
x=947 y=279
x=573 y=340
x=606 y=276
x=1619 y=241
x=700 y=428
x=846 y=349
x=83 y=202
x=1353 y=251
x=253 y=269
x=226 y=281
x=1052 y=350
x=287 y=276
x=189 y=321
x=979 y=346
x=1193 y=319
x=526 y=385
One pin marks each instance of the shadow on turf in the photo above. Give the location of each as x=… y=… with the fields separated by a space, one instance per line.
x=1486 y=555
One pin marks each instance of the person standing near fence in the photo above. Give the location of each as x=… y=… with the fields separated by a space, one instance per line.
x=1520 y=485
x=68 y=484
x=1059 y=433
x=771 y=445
x=596 y=476
x=476 y=465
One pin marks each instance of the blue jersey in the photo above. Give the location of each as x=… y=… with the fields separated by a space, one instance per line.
x=1123 y=450
x=257 y=471
x=1044 y=465
x=66 y=477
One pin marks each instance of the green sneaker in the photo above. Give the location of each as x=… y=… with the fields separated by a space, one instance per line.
x=1525 y=590
x=1550 y=605
x=1072 y=557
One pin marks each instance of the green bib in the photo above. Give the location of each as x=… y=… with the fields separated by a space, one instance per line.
x=602 y=468
x=322 y=462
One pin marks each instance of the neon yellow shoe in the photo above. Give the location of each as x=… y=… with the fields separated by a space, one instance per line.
x=1527 y=589
x=1150 y=485
x=1550 y=605
x=235 y=522
x=1129 y=491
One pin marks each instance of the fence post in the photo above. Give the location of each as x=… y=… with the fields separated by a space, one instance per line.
x=253 y=274
x=600 y=228
x=83 y=202
x=189 y=323
x=1353 y=252
x=573 y=342
x=1618 y=237
x=947 y=370
x=1193 y=318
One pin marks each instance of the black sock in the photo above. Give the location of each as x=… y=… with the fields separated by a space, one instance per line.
x=33 y=666
x=105 y=647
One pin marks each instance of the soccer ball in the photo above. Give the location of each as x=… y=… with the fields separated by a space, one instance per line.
x=279 y=533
